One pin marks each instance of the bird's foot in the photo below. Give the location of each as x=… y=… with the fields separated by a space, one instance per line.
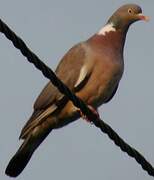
x=85 y=117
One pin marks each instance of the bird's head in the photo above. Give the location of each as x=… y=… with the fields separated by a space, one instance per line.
x=126 y=15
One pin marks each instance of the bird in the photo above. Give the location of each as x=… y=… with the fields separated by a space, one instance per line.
x=92 y=69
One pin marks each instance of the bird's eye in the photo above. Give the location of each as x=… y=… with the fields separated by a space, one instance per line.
x=130 y=11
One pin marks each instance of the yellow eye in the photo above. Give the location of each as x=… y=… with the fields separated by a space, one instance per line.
x=130 y=11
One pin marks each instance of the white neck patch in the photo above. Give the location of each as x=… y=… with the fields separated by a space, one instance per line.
x=106 y=29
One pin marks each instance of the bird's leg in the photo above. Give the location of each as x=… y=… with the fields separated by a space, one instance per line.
x=85 y=117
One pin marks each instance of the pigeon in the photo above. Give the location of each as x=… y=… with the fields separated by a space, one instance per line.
x=92 y=69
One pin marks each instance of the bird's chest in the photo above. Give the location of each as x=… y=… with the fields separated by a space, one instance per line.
x=104 y=81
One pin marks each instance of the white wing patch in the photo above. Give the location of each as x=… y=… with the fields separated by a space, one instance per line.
x=83 y=74
x=106 y=29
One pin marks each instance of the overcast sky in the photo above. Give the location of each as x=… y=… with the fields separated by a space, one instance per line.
x=78 y=151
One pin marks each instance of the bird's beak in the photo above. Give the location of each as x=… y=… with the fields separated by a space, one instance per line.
x=142 y=17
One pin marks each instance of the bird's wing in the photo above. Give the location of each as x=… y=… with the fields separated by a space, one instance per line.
x=74 y=71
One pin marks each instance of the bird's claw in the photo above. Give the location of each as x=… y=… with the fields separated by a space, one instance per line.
x=85 y=117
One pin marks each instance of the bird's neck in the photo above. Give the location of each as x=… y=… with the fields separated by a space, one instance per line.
x=109 y=38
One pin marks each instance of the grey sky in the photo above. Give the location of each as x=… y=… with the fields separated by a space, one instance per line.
x=78 y=151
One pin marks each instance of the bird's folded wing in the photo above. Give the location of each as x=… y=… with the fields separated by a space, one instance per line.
x=74 y=71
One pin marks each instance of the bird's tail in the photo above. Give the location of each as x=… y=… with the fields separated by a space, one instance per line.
x=23 y=155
